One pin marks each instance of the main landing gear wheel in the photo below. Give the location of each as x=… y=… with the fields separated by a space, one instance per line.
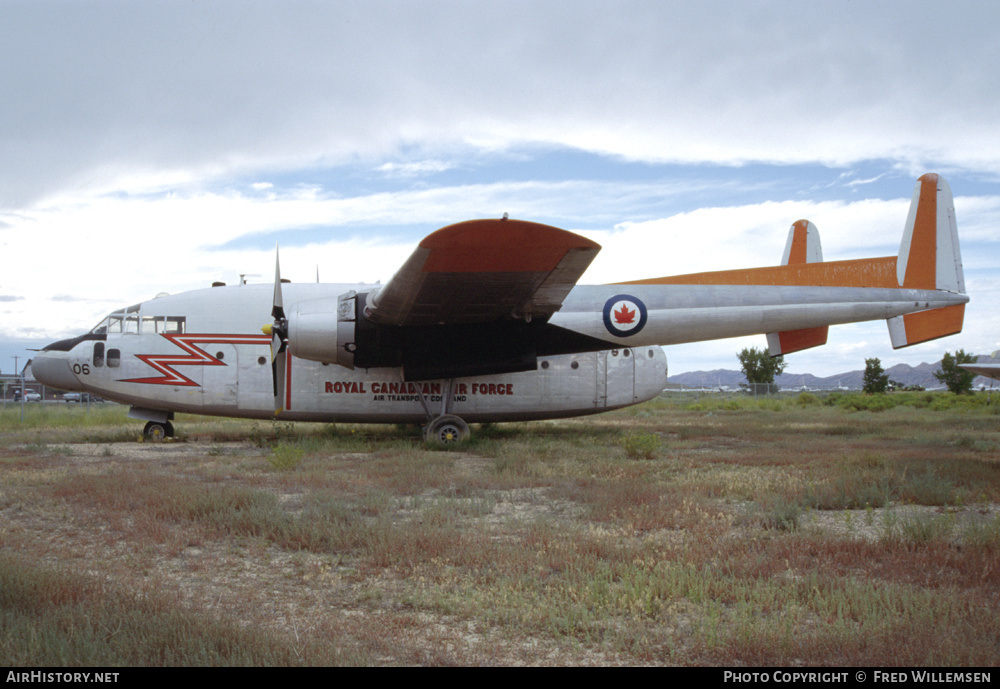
x=156 y=431
x=446 y=429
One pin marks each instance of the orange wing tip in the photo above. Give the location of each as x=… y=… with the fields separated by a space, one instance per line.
x=914 y=328
x=790 y=341
x=484 y=246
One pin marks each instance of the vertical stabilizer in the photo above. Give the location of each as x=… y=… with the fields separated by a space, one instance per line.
x=929 y=259
x=803 y=246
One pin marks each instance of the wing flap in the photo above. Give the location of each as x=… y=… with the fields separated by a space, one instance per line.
x=484 y=270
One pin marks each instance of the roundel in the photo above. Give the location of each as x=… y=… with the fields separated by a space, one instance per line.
x=624 y=315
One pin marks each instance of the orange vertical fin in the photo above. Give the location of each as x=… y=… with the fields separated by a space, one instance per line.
x=929 y=259
x=803 y=246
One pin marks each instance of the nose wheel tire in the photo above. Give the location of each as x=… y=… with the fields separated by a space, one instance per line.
x=446 y=430
x=155 y=431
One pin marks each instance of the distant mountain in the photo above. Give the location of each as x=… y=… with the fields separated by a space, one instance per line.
x=922 y=375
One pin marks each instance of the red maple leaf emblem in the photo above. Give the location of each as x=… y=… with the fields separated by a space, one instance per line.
x=624 y=315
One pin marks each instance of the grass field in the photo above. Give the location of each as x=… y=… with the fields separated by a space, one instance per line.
x=687 y=531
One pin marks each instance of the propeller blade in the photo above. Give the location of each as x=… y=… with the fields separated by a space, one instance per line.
x=279 y=338
x=278 y=308
x=278 y=370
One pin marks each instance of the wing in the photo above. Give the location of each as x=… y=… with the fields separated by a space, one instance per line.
x=988 y=370
x=480 y=271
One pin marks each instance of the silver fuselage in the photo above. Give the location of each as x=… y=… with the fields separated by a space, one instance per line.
x=203 y=352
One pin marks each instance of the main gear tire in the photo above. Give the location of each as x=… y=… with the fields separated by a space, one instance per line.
x=157 y=431
x=446 y=430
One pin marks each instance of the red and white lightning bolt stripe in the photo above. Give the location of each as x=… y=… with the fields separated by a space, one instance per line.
x=165 y=363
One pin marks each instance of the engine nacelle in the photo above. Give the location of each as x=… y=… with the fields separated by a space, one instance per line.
x=336 y=331
x=324 y=330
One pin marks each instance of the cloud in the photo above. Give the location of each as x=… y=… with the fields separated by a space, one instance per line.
x=414 y=169
x=113 y=96
x=158 y=146
x=719 y=238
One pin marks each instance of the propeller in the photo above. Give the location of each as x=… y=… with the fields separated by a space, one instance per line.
x=278 y=330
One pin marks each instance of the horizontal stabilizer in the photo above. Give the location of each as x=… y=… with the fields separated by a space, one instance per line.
x=802 y=247
x=790 y=341
x=914 y=328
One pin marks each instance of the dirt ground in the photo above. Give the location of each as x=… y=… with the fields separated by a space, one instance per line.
x=379 y=612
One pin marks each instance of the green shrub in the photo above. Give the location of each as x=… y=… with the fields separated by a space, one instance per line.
x=641 y=445
x=780 y=513
x=873 y=403
x=286 y=456
x=807 y=399
x=857 y=481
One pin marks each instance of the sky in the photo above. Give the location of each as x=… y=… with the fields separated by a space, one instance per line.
x=160 y=146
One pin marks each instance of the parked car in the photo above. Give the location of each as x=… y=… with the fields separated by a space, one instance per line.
x=80 y=397
x=29 y=396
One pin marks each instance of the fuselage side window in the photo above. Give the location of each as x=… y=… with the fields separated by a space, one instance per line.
x=114 y=358
x=98 y=354
x=176 y=324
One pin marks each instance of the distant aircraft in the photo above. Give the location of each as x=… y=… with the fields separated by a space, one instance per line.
x=988 y=370
x=485 y=322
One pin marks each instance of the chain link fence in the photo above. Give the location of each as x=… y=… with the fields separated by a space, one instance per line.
x=749 y=390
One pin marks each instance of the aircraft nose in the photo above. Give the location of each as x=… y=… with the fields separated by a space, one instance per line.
x=53 y=369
